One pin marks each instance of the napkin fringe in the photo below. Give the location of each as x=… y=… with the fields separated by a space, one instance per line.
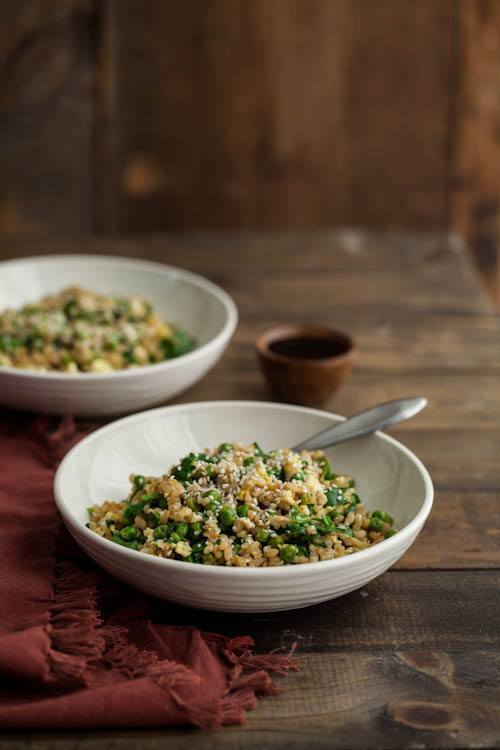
x=76 y=639
x=169 y=676
x=239 y=651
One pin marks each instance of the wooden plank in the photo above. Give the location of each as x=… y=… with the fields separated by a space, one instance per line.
x=412 y=658
x=475 y=178
x=394 y=700
x=262 y=114
x=429 y=610
x=46 y=116
x=472 y=518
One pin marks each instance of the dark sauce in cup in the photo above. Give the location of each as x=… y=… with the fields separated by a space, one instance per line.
x=309 y=347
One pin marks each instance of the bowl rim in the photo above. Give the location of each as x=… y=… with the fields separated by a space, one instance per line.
x=402 y=539
x=123 y=260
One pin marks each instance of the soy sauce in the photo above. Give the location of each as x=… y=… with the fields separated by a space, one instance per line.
x=309 y=347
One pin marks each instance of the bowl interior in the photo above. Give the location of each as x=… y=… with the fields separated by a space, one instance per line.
x=178 y=296
x=388 y=476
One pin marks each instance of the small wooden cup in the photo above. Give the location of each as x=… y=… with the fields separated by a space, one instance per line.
x=305 y=364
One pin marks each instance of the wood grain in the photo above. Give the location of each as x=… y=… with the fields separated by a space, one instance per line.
x=237 y=114
x=379 y=669
x=411 y=660
x=475 y=178
x=46 y=110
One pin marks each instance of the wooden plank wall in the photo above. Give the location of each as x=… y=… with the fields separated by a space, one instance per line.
x=47 y=74
x=278 y=113
x=475 y=168
x=122 y=116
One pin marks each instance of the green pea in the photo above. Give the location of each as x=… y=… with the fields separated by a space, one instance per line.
x=214 y=494
x=181 y=529
x=129 y=533
x=276 y=541
x=227 y=516
x=261 y=535
x=343 y=529
x=139 y=481
x=175 y=537
x=242 y=510
x=376 y=524
x=288 y=552
x=385 y=517
x=196 y=528
x=389 y=533
x=161 y=531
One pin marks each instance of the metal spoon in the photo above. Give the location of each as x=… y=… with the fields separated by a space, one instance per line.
x=365 y=422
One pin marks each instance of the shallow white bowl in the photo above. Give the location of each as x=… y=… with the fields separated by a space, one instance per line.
x=388 y=477
x=180 y=297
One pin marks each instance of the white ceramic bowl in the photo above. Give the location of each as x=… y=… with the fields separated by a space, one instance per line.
x=191 y=301
x=388 y=477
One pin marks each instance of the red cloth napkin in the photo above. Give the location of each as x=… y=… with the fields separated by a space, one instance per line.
x=66 y=658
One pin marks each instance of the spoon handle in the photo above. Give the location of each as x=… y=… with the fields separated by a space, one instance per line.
x=365 y=422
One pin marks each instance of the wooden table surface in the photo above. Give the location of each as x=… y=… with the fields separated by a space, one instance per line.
x=413 y=660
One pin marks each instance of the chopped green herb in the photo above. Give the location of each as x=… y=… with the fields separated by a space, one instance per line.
x=183 y=472
x=385 y=517
x=129 y=533
x=261 y=535
x=334 y=496
x=139 y=481
x=288 y=552
x=182 y=529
